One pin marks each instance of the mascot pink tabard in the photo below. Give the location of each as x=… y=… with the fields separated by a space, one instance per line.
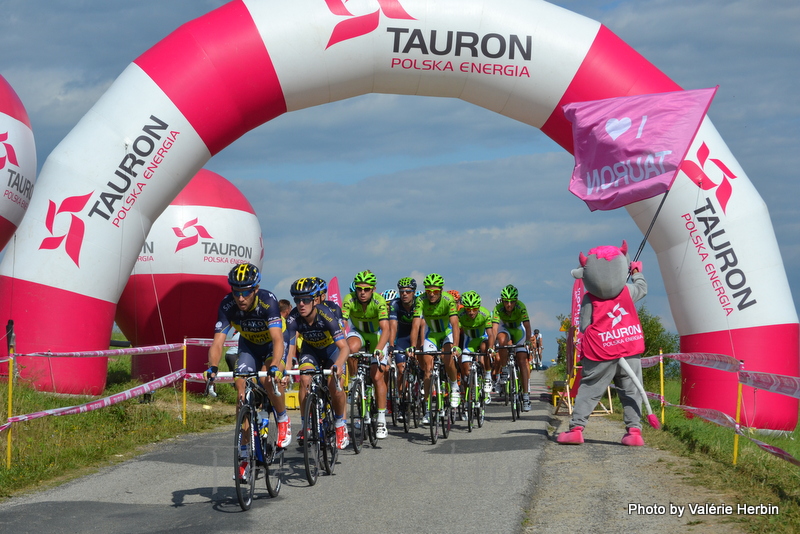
x=612 y=338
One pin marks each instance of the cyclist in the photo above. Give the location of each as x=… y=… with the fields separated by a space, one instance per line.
x=401 y=319
x=436 y=315
x=513 y=326
x=536 y=349
x=477 y=335
x=255 y=314
x=369 y=319
x=323 y=346
x=457 y=297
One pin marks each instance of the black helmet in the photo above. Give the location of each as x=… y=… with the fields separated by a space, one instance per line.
x=304 y=287
x=243 y=276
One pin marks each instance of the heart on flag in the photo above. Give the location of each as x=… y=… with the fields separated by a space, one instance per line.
x=617 y=127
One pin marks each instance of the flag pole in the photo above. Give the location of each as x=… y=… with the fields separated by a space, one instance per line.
x=652 y=223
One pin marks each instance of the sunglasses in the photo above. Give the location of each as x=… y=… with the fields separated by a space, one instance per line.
x=433 y=291
x=510 y=301
x=472 y=309
x=303 y=300
x=364 y=289
x=243 y=293
x=406 y=291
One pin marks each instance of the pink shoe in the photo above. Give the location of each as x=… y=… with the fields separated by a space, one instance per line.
x=573 y=437
x=633 y=438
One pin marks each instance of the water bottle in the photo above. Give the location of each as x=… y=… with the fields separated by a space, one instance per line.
x=263 y=416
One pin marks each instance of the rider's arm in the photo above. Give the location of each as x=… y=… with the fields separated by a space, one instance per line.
x=383 y=339
x=454 y=324
x=215 y=350
x=277 y=345
x=344 y=353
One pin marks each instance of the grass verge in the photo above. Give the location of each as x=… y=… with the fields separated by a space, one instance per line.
x=758 y=478
x=53 y=449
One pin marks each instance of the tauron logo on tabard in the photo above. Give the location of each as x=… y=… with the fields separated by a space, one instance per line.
x=616 y=315
x=73 y=239
x=189 y=240
x=356 y=26
x=697 y=174
x=10 y=153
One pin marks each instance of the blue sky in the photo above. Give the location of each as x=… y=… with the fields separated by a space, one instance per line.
x=409 y=185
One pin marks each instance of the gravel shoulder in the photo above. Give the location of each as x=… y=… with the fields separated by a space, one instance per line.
x=603 y=486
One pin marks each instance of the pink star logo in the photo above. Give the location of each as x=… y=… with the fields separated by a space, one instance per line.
x=356 y=26
x=697 y=174
x=11 y=154
x=73 y=239
x=189 y=240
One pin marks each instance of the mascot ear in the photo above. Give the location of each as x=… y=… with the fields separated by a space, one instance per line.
x=582 y=259
x=624 y=247
x=577 y=273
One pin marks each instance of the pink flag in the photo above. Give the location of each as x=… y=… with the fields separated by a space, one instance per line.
x=333 y=291
x=629 y=148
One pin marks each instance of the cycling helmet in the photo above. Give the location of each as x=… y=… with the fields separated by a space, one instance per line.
x=322 y=286
x=407 y=282
x=535 y=330
x=366 y=277
x=433 y=280
x=509 y=293
x=304 y=287
x=471 y=299
x=243 y=276
x=499 y=300
x=456 y=295
x=418 y=292
x=390 y=294
x=353 y=286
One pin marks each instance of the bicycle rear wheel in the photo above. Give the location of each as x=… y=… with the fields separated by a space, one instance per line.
x=519 y=397
x=330 y=453
x=273 y=457
x=405 y=402
x=311 y=443
x=480 y=410
x=244 y=462
x=357 y=414
x=511 y=392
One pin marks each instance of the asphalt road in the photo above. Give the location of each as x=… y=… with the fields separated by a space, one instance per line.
x=472 y=482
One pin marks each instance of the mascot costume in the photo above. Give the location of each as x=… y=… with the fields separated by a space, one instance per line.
x=613 y=341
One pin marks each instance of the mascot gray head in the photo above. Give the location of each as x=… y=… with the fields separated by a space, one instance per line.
x=604 y=271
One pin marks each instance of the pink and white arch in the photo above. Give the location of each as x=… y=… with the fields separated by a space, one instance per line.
x=217 y=77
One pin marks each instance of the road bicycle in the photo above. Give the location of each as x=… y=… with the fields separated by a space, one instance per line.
x=363 y=409
x=319 y=432
x=474 y=402
x=513 y=388
x=256 y=450
x=411 y=394
x=438 y=406
x=393 y=389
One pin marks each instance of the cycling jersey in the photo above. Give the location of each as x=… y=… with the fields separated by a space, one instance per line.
x=513 y=319
x=365 y=320
x=319 y=337
x=475 y=328
x=255 y=340
x=403 y=317
x=439 y=331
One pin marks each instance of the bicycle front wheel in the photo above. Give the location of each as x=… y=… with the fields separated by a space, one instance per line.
x=372 y=428
x=329 y=451
x=433 y=409
x=273 y=457
x=244 y=458
x=405 y=402
x=311 y=441
x=357 y=414
x=512 y=392
x=394 y=396
x=469 y=405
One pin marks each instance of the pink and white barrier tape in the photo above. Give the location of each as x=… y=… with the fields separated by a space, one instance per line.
x=785 y=385
x=650 y=361
x=155 y=349
x=101 y=403
x=705 y=359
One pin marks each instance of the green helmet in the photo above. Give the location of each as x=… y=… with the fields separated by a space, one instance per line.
x=433 y=280
x=509 y=293
x=366 y=277
x=471 y=299
x=407 y=282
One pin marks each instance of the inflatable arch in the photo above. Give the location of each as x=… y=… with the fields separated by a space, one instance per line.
x=245 y=63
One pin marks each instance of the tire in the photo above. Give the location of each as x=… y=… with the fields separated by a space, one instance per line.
x=405 y=402
x=244 y=429
x=480 y=411
x=372 y=427
x=394 y=397
x=433 y=410
x=416 y=401
x=447 y=415
x=511 y=393
x=311 y=443
x=356 y=415
x=470 y=400
x=273 y=457
x=330 y=454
